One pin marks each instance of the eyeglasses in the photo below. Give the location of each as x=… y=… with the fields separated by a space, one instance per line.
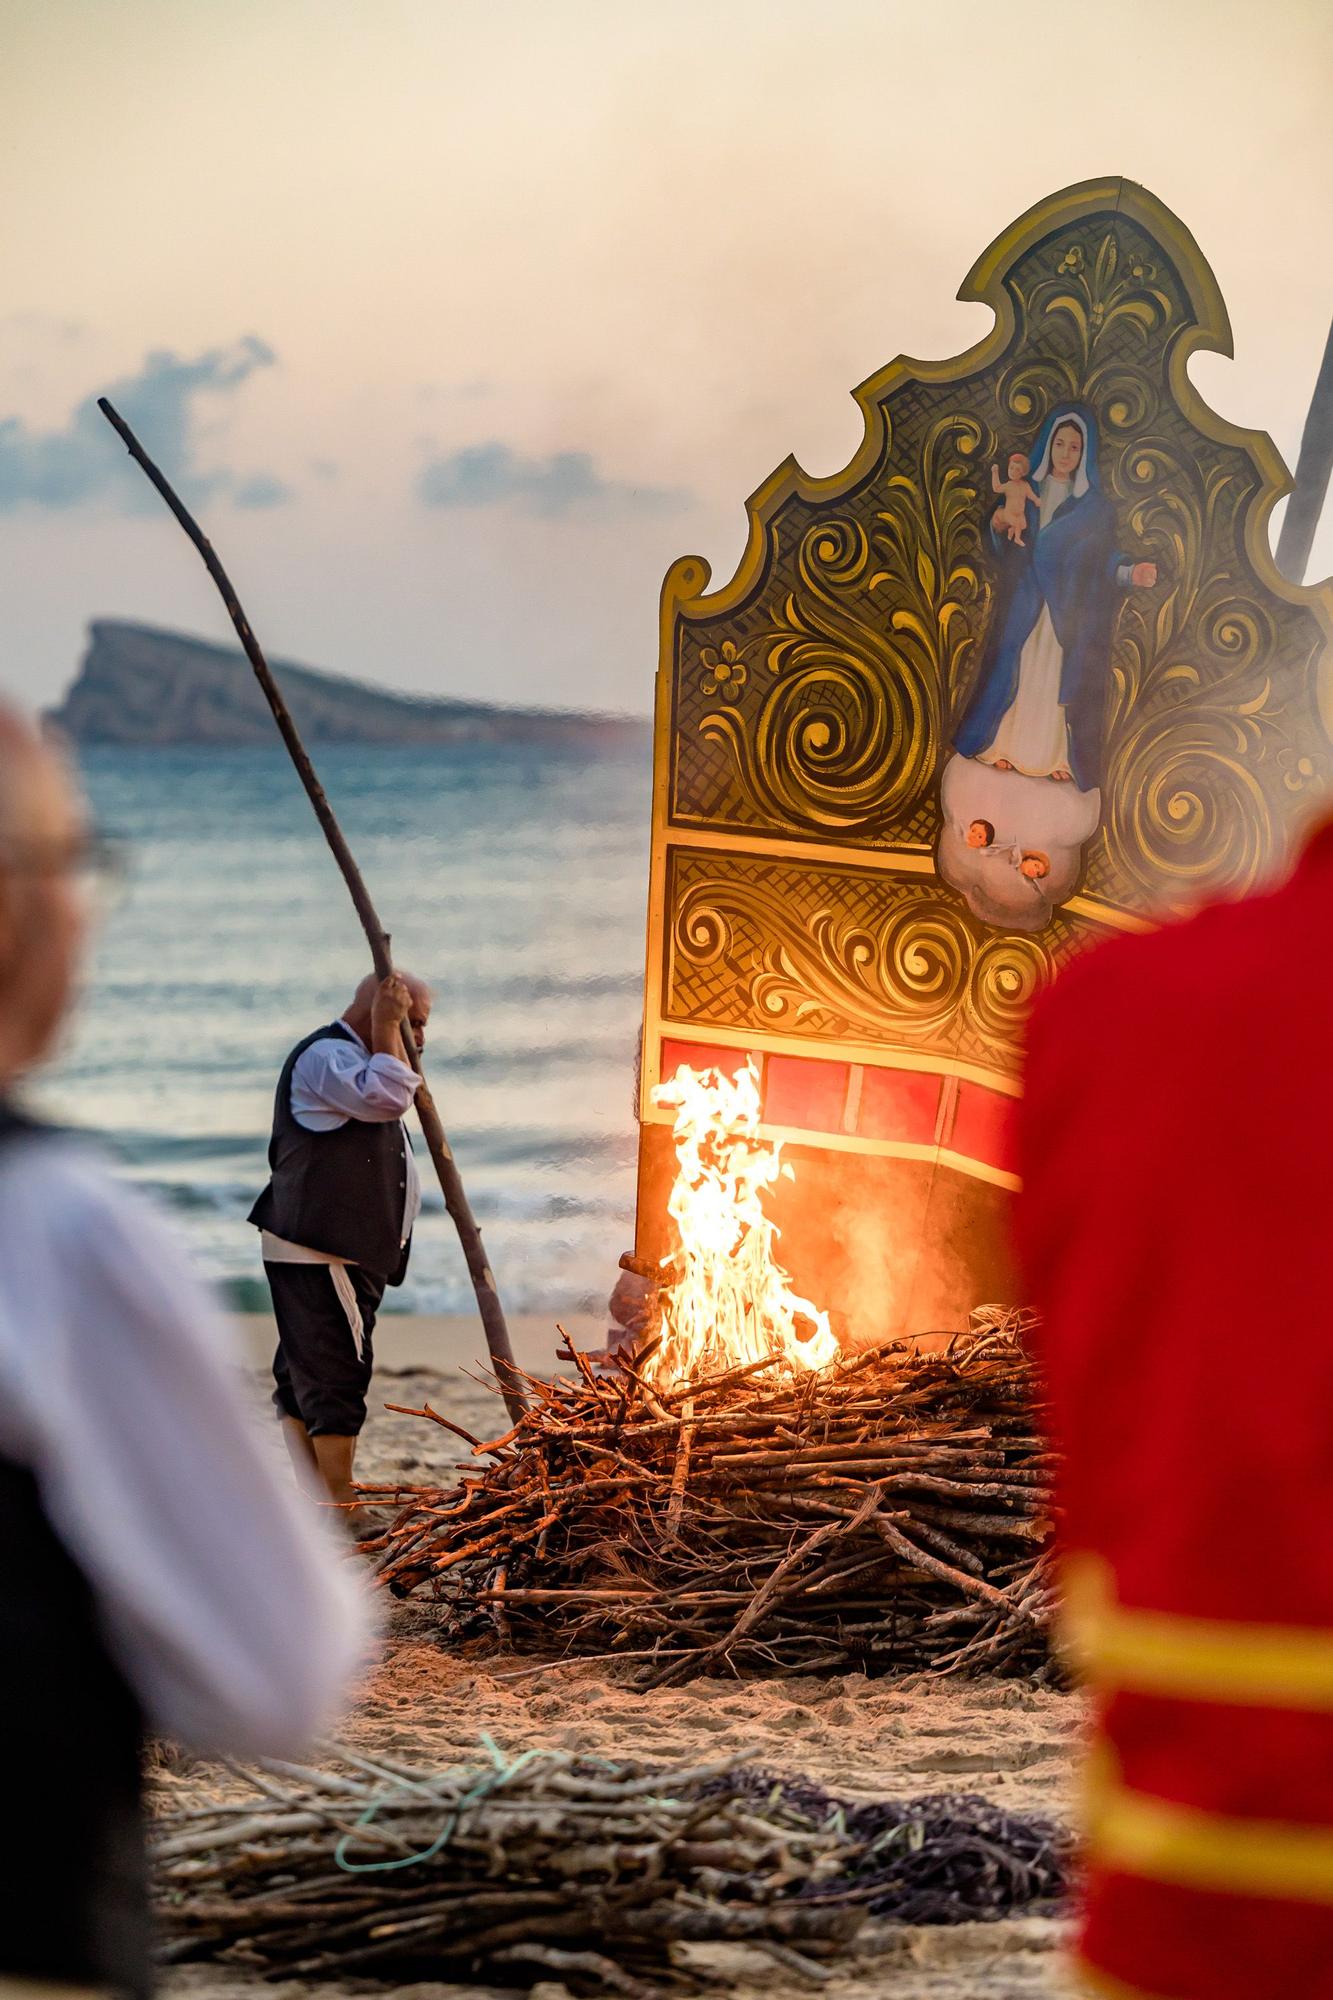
x=97 y=863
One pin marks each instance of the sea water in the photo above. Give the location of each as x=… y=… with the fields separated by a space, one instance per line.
x=514 y=880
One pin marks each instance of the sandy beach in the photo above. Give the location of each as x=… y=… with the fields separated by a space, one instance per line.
x=444 y=1344
x=866 y=1738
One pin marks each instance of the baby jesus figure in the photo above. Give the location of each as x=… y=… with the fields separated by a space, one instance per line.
x=1011 y=518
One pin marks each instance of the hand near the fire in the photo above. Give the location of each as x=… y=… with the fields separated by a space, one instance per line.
x=633 y=1301
x=1143 y=576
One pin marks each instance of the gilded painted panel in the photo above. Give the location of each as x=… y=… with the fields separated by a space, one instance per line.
x=1024 y=671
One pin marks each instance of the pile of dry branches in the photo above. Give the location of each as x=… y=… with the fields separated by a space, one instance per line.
x=594 y=1872
x=889 y=1513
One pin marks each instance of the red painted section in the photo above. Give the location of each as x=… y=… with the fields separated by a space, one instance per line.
x=984 y=1126
x=805 y=1093
x=900 y=1104
x=700 y=1055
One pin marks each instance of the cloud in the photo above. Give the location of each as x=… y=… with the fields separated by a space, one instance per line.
x=493 y=474
x=44 y=326
x=470 y=390
x=261 y=489
x=85 y=461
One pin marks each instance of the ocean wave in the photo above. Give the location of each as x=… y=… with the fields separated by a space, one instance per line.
x=519 y=880
x=537 y=1148
x=159 y=1148
x=244 y=1295
x=572 y=987
x=542 y=1151
x=235 y=1198
x=528 y=1061
x=191 y=1196
x=496 y=1204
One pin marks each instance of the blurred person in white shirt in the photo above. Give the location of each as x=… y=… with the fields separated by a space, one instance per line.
x=157 y=1573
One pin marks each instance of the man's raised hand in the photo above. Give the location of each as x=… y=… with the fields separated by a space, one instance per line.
x=388 y=1010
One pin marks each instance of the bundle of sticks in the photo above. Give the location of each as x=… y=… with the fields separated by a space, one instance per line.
x=548 y=1864
x=888 y=1513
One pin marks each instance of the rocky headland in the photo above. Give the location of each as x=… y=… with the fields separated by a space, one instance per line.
x=141 y=685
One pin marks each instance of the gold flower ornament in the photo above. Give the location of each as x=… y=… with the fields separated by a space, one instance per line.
x=725 y=672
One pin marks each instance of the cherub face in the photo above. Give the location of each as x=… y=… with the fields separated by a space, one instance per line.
x=980 y=834
x=1066 y=451
x=1018 y=465
x=1034 y=865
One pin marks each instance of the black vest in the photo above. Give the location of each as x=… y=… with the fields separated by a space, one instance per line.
x=342 y=1191
x=73 y=1875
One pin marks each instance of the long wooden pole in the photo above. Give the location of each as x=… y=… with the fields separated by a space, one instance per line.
x=446 y=1167
x=1312 y=475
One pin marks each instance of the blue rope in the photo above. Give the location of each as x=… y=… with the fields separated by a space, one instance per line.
x=485 y=1787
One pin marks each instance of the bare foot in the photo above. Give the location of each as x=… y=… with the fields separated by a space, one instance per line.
x=356 y=1524
x=1063 y=777
x=1003 y=764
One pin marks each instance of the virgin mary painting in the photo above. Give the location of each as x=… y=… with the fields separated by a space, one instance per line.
x=1023 y=794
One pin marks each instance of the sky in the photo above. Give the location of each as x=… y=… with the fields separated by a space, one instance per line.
x=458 y=323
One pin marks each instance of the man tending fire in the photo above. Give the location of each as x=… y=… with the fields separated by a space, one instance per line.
x=337 y=1217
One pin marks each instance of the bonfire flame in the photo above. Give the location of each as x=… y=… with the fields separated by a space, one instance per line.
x=726 y=1301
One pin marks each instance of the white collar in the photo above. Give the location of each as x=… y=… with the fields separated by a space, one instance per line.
x=348 y=1029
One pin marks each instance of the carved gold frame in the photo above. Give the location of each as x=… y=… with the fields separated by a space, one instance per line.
x=1300 y=719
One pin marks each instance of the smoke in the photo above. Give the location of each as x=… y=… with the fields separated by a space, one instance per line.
x=890 y=1246
x=873 y=1271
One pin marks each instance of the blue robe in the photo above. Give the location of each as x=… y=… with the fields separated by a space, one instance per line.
x=1071 y=565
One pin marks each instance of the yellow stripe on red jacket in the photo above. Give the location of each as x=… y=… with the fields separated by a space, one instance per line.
x=1176 y=1147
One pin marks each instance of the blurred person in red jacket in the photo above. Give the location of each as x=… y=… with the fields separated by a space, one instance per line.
x=156 y=1571
x=1176 y=1139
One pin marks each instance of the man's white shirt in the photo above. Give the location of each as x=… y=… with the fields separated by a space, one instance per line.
x=334 y=1081
x=222 y=1596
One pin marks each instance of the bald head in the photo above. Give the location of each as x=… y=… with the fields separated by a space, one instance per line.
x=370 y=986
x=43 y=921
x=379 y=1005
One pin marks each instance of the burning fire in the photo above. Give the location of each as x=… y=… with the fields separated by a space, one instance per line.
x=725 y=1300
